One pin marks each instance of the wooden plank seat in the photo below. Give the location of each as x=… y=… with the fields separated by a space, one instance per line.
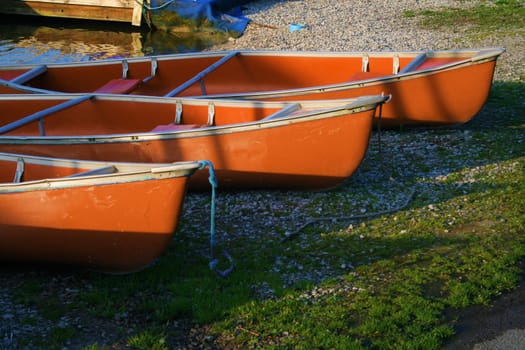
x=125 y=85
x=177 y=124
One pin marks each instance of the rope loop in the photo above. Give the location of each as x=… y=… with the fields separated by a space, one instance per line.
x=215 y=263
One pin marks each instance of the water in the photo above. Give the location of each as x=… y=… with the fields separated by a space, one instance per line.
x=45 y=40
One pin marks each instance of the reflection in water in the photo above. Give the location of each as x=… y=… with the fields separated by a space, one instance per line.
x=59 y=40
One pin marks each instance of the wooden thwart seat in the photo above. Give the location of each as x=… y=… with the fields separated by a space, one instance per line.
x=177 y=123
x=125 y=85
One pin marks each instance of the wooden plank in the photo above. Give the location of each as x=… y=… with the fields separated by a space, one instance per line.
x=100 y=3
x=137 y=13
x=117 y=11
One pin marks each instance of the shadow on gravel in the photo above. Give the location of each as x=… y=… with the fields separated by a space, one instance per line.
x=411 y=155
x=504 y=108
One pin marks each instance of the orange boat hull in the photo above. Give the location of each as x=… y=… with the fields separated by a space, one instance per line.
x=441 y=98
x=113 y=226
x=309 y=151
x=446 y=87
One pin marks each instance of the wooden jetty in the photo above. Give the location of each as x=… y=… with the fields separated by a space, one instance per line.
x=100 y=10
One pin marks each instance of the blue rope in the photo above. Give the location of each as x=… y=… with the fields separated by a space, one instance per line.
x=151 y=8
x=214 y=262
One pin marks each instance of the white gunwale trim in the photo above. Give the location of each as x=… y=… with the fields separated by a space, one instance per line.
x=358 y=105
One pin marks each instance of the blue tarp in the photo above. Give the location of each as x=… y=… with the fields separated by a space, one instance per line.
x=222 y=15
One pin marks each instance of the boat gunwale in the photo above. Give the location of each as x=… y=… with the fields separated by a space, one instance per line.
x=353 y=106
x=481 y=52
x=480 y=58
x=125 y=174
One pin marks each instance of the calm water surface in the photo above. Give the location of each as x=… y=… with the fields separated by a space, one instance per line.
x=35 y=40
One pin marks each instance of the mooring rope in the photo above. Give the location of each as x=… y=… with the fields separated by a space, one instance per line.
x=352 y=217
x=406 y=203
x=214 y=261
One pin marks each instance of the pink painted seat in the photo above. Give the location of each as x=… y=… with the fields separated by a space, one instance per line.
x=119 y=86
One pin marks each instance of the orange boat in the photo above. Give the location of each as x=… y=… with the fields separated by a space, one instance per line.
x=427 y=87
x=112 y=217
x=307 y=145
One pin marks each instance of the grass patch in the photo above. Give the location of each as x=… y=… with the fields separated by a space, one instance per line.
x=397 y=298
x=503 y=15
x=148 y=340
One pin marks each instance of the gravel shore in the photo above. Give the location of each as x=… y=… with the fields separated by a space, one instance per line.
x=344 y=25
x=347 y=25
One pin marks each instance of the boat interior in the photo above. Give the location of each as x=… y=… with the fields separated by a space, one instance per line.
x=16 y=170
x=206 y=75
x=89 y=115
